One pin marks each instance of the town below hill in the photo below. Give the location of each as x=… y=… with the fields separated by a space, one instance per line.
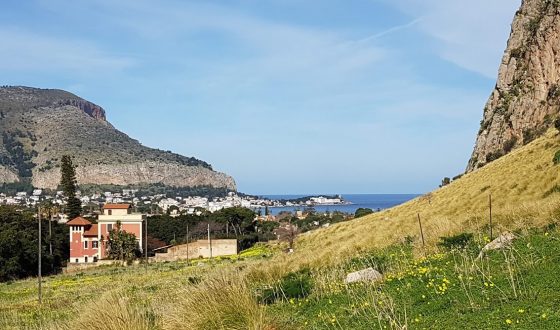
x=165 y=203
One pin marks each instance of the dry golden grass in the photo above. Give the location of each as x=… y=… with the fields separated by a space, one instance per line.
x=517 y=182
x=221 y=301
x=165 y=296
x=114 y=311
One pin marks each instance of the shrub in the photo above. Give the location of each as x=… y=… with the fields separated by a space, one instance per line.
x=509 y=144
x=491 y=156
x=292 y=286
x=457 y=177
x=557 y=124
x=379 y=261
x=518 y=52
x=459 y=241
x=360 y=212
x=556 y=159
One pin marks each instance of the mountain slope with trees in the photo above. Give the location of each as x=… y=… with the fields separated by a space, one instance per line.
x=38 y=126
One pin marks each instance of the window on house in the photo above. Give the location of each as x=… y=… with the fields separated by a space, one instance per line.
x=86 y=259
x=110 y=227
x=94 y=244
x=94 y=259
x=76 y=259
x=85 y=244
x=110 y=212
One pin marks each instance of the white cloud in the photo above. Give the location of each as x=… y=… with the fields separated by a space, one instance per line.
x=32 y=52
x=473 y=34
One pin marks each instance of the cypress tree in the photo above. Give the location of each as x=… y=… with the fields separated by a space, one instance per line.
x=68 y=183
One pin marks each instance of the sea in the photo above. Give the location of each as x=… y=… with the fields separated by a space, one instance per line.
x=372 y=201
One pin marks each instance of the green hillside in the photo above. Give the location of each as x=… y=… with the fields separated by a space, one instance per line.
x=429 y=287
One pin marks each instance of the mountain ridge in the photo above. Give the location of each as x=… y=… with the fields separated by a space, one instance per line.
x=38 y=126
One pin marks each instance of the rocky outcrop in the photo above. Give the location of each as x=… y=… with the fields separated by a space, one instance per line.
x=7 y=175
x=87 y=107
x=170 y=174
x=526 y=98
x=364 y=275
x=503 y=241
x=38 y=126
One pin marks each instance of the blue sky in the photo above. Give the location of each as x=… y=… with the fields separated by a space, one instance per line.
x=325 y=96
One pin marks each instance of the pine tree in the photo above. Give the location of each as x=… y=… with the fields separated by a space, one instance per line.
x=68 y=183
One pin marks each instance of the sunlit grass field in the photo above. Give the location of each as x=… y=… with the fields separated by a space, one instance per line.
x=520 y=183
x=424 y=286
x=69 y=298
x=517 y=288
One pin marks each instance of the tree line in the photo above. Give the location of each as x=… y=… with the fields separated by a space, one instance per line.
x=19 y=244
x=234 y=222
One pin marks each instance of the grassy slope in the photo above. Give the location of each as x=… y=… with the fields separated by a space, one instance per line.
x=516 y=181
x=164 y=296
x=70 y=300
x=515 y=288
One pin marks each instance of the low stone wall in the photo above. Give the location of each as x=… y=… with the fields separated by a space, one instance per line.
x=77 y=267
x=198 y=249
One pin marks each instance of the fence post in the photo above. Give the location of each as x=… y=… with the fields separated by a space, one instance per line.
x=421 y=231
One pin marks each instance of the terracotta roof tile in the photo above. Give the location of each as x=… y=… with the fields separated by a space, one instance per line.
x=78 y=221
x=92 y=231
x=116 y=206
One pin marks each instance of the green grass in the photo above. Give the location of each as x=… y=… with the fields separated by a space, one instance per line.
x=516 y=288
x=425 y=287
x=65 y=295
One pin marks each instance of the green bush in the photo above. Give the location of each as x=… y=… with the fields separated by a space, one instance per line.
x=378 y=260
x=292 y=286
x=360 y=212
x=460 y=241
x=556 y=159
x=445 y=182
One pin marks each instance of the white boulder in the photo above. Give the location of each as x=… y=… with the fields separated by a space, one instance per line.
x=502 y=241
x=364 y=275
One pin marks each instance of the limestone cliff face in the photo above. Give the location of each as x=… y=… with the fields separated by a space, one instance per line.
x=170 y=174
x=38 y=126
x=7 y=175
x=526 y=99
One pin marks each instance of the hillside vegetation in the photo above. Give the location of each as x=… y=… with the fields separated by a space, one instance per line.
x=423 y=287
x=524 y=187
x=38 y=126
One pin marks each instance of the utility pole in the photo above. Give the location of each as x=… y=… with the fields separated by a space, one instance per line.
x=187 y=243
x=490 y=207
x=50 y=230
x=209 y=240
x=146 y=244
x=40 y=294
x=421 y=231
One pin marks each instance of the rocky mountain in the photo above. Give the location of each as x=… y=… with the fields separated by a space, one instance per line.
x=38 y=126
x=526 y=99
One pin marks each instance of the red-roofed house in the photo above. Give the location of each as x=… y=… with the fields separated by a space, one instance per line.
x=84 y=242
x=88 y=242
